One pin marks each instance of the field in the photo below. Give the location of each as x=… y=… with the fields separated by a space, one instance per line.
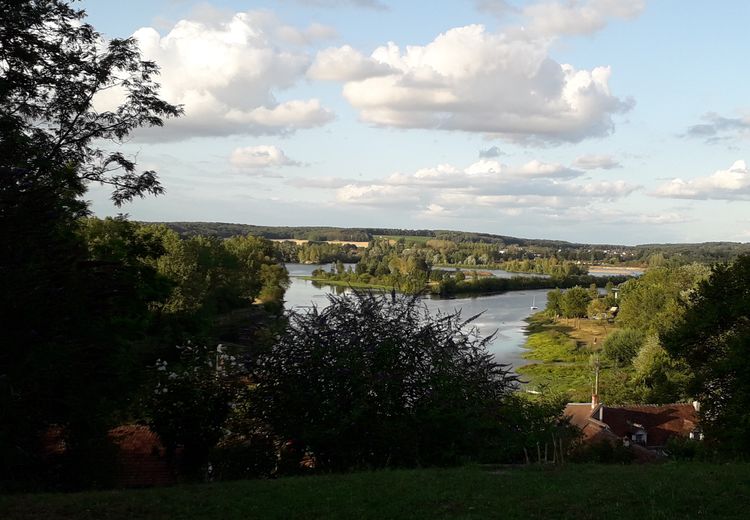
x=668 y=491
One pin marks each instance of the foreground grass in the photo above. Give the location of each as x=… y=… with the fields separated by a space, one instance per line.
x=575 y=491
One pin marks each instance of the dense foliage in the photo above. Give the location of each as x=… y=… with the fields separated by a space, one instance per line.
x=469 y=248
x=712 y=335
x=73 y=321
x=371 y=381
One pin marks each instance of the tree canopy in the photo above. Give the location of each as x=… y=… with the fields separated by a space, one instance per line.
x=713 y=338
x=55 y=69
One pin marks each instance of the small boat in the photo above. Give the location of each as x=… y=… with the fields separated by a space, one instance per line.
x=533 y=304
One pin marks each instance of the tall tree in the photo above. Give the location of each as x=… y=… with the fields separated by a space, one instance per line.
x=713 y=338
x=62 y=356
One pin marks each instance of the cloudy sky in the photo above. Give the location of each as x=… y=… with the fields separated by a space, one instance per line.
x=615 y=121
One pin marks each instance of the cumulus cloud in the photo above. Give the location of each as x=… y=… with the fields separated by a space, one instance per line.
x=730 y=184
x=260 y=157
x=484 y=187
x=716 y=128
x=345 y=64
x=227 y=72
x=596 y=162
x=572 y=17
x=504 y=85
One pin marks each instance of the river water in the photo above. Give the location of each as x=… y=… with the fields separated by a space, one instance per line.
x=504 y=313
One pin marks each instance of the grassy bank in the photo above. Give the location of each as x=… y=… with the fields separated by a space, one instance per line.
x=561 y=350
x=574 y=491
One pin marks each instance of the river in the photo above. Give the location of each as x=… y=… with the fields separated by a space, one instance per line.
x=504 y=313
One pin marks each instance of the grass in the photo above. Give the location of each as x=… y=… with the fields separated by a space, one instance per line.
x=561 y=350
x=571 y=379
x=668 y=491
x=553 y=346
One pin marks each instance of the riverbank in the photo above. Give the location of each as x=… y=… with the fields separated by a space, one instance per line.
x=560 y=353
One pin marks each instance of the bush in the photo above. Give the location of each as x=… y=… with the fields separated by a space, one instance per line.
x=373 y=381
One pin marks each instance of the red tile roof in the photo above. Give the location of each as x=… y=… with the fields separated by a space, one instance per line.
x=659 y=422
x=612 y=423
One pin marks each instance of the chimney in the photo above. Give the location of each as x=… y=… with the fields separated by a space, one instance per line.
x=697 y=406
x=594 y=401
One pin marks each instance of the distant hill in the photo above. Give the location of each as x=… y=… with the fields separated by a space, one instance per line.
x=707 y=252
x=321 y=233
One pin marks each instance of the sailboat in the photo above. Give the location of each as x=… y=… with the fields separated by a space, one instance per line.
x=533 y=304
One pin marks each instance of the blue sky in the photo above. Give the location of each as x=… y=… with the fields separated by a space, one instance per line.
x=606 y=121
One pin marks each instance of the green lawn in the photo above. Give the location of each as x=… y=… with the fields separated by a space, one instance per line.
x=668 y=491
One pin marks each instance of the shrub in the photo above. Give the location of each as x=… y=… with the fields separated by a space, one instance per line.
x=372 y=381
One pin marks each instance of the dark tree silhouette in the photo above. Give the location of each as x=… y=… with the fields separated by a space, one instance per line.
x=373 y=380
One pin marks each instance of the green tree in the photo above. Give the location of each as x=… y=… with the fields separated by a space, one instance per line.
x=554 y=302
x=712 y=337
x=54 y=65
x=663 y=378
x=574 y=302
x=65 y=351
x=654 y=301
x=622 y=345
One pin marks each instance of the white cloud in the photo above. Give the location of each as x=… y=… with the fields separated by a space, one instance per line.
x=579 y=16
x=730 y=184
x=483 y=173
x=260 y=157
x=345 y=64
x=228 y=73
x=595 y=162
x=483 y=188
x=377 y=195
x=504 y=85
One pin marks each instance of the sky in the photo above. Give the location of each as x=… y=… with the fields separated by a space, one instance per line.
x=599 y=121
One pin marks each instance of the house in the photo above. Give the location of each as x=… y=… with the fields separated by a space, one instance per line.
x=644 y=428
